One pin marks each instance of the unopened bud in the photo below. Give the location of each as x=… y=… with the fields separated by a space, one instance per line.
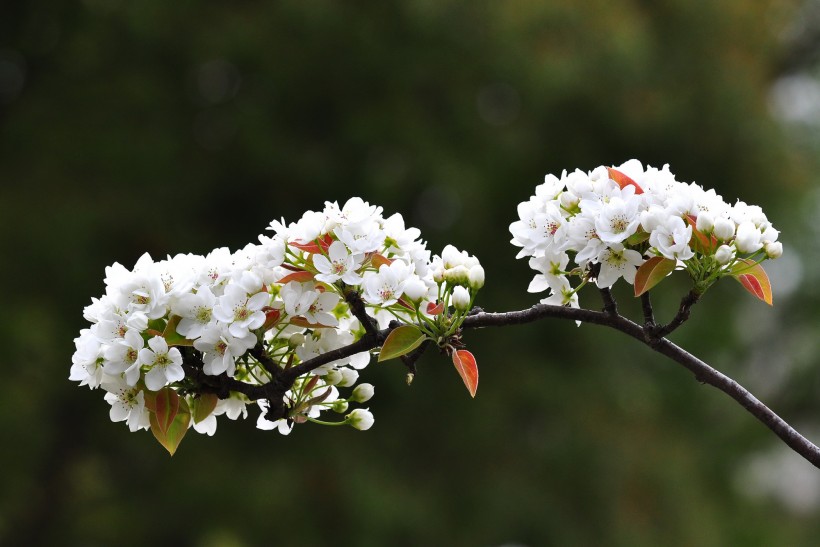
x=362 y=393
x=723 y=254
x=705 y=222
x=461 y=298
x=361 y=419
x=724 y=228
x=774 y=249
x=340 y=406
x=476 y=277
x=349 y=377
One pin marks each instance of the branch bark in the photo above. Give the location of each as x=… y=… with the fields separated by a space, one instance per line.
x=648 y=334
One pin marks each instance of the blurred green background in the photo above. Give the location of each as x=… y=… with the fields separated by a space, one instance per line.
x=182 y=126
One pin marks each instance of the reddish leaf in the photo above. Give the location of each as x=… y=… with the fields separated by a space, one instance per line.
x=301 y=277
x=401 y=341
x=405 y=304
x=700 y=242
x=435 y=309
x=753 y=278
x=166 y=407
x=318 y=245
x=300 y=321
x=623 y=180
x=272 y=316
x=204 y=405
x=378 y=260
x=652 y=272
x=467 y=368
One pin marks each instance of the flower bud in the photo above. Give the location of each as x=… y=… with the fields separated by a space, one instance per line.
x=451 y=257
x=723 y=254
x=705 y=222
x=457 y=275
x=349 y=377
x=415 y=289
x=724 y=228
x=362 y=393
x=339 y=406
x=461 y=298
x=333 y=377
x=774 y=249
x=296 y=340
x=747 y=239
x=361 y=419
x=476 y=277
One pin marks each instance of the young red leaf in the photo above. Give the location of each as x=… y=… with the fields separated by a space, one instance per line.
x=166 y=407
x=378 y=260
x=753 y=278
x=623 y=180
x=652 y=272
x=401 y=341
x=467 y=368
x=700 y=242
x=204 y=405
x=435 y=309
x=301 y=277
x=318 y=245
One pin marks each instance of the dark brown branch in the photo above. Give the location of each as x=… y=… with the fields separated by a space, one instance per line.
x=610 y=306
x=702 y=372
x=648 y=313
x=686 y=304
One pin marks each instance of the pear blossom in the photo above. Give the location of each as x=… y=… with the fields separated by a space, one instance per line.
x=164 y=364
x=220 y=349
x=239 y=309
x=616 y=262
x=361 y=419
x=127 y=405
x=339 y=264
x=386 y=287
x=197 y=312
x=122 y=357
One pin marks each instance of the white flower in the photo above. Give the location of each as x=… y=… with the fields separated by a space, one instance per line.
x=220 y=349
x=618 y=219
x=196 y=311
x=282 y=425
x=361 y=419
x=386 y=287
x=339 y=264
x=476 y=277
x=552 y=267
x=416 y=290
x=243 y=312
x=616 y=262
x=320 y=311
x=127 y=404
x=122 y=356
x=671 y=239
x=87 y=361
x=164 y=365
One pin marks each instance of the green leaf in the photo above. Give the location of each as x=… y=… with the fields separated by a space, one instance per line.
x=166 y=407
x=401 y=341
x=467 y=368
x=172 y=337
x=753 y=278
x=176 y=430
x=637 y=238
x=203 y=406
x=652 y=272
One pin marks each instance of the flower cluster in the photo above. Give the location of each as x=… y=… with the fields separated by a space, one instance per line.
x=165 y=331
x=613 y=223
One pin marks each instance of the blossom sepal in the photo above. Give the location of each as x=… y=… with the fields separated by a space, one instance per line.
x=467 y=368
x=753 y=277
x=401 y=341
x=652 y=272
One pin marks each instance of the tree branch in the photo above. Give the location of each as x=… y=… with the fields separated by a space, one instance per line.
x=702 y=372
